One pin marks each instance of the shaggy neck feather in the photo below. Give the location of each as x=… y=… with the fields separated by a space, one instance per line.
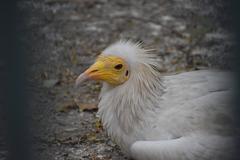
x=121 y=108
x=127 y=102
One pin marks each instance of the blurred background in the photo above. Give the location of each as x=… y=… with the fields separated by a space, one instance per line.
x=58 y=39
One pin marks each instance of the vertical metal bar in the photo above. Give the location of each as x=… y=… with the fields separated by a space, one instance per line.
x=15 y=106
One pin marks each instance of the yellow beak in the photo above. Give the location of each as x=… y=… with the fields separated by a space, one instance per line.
x=104 y=70
x=91 y=73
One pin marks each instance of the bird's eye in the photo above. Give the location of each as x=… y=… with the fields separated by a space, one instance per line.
x=118 y=66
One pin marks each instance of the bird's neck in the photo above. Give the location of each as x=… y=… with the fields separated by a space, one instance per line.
x=125 y=105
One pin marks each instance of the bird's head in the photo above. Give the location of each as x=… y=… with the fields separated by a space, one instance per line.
x=115 y=64
x=109 y=68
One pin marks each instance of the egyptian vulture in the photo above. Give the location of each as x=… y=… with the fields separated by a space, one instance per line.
x=185 y=116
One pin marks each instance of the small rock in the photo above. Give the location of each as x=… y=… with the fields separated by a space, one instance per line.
x=70 y=129
x=86 y=106
x=50 y=83
x=66 y=106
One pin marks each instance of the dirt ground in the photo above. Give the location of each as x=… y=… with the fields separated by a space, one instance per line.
x=63 y=37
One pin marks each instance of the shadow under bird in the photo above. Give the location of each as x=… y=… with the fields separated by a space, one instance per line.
x=186 y=116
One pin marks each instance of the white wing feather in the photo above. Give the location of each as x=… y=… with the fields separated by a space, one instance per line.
x=192 y=147
x=196 y=123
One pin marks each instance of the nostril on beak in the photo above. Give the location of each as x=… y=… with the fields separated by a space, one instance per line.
x=94 y=71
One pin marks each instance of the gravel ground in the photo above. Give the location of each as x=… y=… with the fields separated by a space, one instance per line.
x=64 y=36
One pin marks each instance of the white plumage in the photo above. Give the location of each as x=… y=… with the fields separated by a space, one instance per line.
x=185 y=116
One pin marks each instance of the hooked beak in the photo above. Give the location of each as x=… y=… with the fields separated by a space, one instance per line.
x=91 y=73
x=81 y=78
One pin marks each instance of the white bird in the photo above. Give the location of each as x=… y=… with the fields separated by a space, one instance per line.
x=186 y=116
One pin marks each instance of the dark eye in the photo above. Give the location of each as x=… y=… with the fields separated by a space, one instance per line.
x=118 y=66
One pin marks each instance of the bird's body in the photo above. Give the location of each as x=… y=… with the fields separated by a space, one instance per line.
x=176 y=117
